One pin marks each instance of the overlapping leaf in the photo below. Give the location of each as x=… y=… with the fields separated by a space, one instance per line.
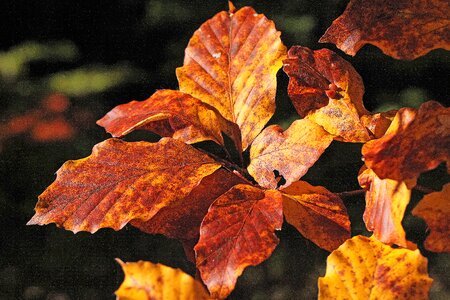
x=326 y=89
x=386 y=201
x=121 y=181
x=231 y=63
x=147 y=281
x=378 y=123
x=434 y=208
x=317 y=213
x=291 y=152
x=238 y=231
x=414 y=143
x=170 y=113
x=364 y=268
x=403 y=29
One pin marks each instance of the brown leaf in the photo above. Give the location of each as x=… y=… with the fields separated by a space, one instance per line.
x=326 y=89
x=364 y=268
x=414 y=143
x=231 y=63
x=378 y=123
x=403 y=29
x=386 y=201
x=119 y=182
x=318 y=214
x=291 y=152
x=148 y=281
x=434 y=208
x=238 y=231
x=186 y=118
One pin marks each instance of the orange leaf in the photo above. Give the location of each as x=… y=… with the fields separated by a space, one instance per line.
x=291 y=152
x=187 y=118
x=318 y=214
x=378 y=123
x=147 y=281
x=119 y=182
x=434 y=208
x=386 y=201
x=56 y=129
x=231 y=63
x=364 y=268
x=414 y=143
x=238 y=231
x=403 y=29
x=326 y=89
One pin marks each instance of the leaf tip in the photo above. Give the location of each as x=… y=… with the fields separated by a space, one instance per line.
x=231 y=7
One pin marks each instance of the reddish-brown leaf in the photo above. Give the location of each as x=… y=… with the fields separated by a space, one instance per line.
x=403 y=29
x=386 y=201
x=231 y=63
x=434 y=208
x=291 y=152
x=318 y=214
x=378 y=123
x=186 y=118
x=414 y=143
x=326 y=89
x=119 y=182
x=238 y=231
x=364 y=268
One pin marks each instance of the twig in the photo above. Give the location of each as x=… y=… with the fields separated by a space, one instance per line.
x=350 y=193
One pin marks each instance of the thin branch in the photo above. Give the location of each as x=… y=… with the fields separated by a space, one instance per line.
x=351 y=193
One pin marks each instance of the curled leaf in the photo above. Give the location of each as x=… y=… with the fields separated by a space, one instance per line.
x=318 y=214
x=291 y=152
x=121 y=181
x=326 y=89
x=403 y=29
x=231 y=63
x=377 y=124
x=238 y=231
x=434 y=208
x=364 y=268
x=148 y=281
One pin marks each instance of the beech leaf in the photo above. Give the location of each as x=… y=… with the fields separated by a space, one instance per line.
x=238 y=231
x=231 y=63
x=403 y=29
x=326 y=89
x=434 y=208
x=415 y=142
x=121 y=181
x=364 y=268
x=148 y=281
x=318 y=214
x=291 y=152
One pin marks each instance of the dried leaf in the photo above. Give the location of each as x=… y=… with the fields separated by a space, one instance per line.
x=364 y=268
x=147 y=281
x=386 y=201
x=377 y=124
x=291 y=152
x=318 y=214
x=238 y=231
x=434 y=208
x=414 y=143
x=231 y=63
x=326 y=89
x=119 y=182
x=403 y=29
x=186 y=118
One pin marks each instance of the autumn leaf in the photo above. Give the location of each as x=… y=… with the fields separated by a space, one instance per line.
x=318 y=214
x=185 y=118
x=378 y=123
x=415 y=142
x=326 y=89
x=119 y=182
x=238 y=231
x=231 y=63
x=291 y=152
x=364 y=268
x=434 y=208
x=404 y=29
x=386 y=202
x=148 y=281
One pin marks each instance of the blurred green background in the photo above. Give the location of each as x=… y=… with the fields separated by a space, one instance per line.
x=64 y=64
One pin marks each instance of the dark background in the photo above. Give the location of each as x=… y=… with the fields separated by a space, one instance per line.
x=103 y=53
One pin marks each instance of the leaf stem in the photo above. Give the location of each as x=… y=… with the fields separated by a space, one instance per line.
x=420 y=188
